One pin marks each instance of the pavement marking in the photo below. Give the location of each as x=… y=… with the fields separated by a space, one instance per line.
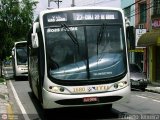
x=3 y=109
x=141 y=96
x=10 y=112
x=19 y=102
x=156 y=100
x=153 y=99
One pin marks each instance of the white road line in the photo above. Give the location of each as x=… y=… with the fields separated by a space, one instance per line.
x=156 y=100
x=19 y=102
x=148 y=98
x=141 y=96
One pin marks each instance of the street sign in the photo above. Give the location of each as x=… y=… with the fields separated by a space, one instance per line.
x=139 y=32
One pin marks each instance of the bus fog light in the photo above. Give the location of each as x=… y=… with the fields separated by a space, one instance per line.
x=116 y=85
x=61 y=89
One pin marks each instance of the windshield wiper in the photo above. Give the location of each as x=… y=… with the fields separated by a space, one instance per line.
x=75 y=41
x=73 y=38
x=101 y=33
x=99 y=38
x=70 y=34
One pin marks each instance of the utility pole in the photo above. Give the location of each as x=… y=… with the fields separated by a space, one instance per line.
x=73 y=3
x=49 y=3
x=56 y=1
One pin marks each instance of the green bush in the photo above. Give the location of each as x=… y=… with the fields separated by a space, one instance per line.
x=1 y=80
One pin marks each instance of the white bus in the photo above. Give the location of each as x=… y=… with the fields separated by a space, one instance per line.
x=19 y=59
x=78 y=57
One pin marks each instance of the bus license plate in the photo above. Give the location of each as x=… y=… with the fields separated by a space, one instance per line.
x=90 y=99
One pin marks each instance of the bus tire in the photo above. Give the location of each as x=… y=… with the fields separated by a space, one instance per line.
x=48 y=114
x=107 y=107
x=16 y=78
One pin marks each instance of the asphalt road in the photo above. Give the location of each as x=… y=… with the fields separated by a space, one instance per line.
x=141 y=105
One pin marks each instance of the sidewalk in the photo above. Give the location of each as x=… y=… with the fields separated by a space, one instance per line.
x=5 y=106
x=6 y=112
x=153 y=87
x=4 y=101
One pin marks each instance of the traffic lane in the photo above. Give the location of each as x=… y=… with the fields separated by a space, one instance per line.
x=148 y=94
x=93 y=113
x=34 y=109
x=24 y=101
x=141 y=103
x=138 y=105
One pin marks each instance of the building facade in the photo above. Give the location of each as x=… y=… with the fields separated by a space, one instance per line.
x=139 y=16
x=129 y=11
x=142 y=26
x=128 y=7
x=151 y=40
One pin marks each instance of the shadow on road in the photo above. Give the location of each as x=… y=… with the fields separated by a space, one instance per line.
x=82 y=113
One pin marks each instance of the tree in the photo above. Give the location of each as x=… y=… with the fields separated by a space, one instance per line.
x=15 y=20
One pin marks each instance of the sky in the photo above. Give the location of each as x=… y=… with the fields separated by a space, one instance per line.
x=43 y=4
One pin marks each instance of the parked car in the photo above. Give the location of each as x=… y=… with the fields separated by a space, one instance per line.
x=137 y=77
x=7 y=63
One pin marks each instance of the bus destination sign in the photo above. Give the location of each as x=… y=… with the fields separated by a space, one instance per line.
x=57 y=17
x=95 y=15
x=80 y=16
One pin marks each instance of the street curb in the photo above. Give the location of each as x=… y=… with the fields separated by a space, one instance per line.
x=4 y=99
x=152 y=90
x=5 y=95
x=3 y=83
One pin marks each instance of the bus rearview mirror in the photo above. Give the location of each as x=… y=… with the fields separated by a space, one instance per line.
x=13 y=52
x=35 y=43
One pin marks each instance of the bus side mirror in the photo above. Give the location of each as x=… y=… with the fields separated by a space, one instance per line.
x=130 y=35
x=34 y=35
x=13 y=52
x=35 y=43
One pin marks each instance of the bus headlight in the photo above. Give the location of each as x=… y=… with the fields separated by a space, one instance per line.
x=121 y=84
x=58 y=89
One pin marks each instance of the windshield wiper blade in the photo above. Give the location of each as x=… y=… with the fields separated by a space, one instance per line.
x=70 y=34
x=99 y=38
x=73 y=38
x=100 y=35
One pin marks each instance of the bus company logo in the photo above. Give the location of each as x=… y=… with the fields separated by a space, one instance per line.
x=91 y=89
x=4 y=116
x=98 y=88
x=49 y=30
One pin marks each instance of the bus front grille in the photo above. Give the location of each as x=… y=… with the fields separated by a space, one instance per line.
x=79 y=101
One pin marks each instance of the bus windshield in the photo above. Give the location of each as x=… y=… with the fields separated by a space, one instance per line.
x=21 y=54
x=86 y=51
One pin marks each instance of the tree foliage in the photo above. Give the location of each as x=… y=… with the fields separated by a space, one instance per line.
x=15 y=20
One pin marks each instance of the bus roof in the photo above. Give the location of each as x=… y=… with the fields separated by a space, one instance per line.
x=80 y=8
x=20 y=42
x=77 y=8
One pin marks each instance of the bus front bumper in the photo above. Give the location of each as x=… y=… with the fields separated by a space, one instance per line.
x=54 y=100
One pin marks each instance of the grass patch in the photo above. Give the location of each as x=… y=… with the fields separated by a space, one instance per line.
x=2 y=80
